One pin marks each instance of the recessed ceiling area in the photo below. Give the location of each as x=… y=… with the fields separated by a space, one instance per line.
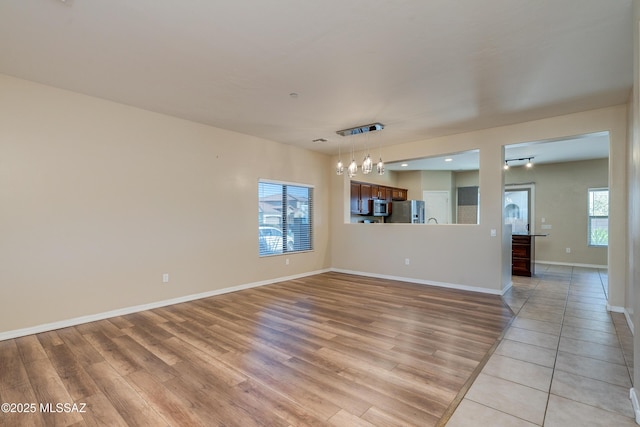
x=466 y=160
x=582 y=147
x=423 y=68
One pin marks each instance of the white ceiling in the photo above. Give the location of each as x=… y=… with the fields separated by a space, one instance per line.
x=422 y=68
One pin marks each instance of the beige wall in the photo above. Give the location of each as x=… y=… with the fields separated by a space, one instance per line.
x=468 y=179
x=633 y=265
x=412 y=181
x=553 y=183
x=438 y=181
x=98 y=200
x=561 y=191
x=467 y=254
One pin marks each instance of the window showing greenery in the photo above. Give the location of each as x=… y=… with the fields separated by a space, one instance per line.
x=598 y=216
x=285 y=213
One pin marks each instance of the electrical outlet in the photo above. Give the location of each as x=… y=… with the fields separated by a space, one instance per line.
x=165 y=278
x=407 y=261
x=286 y=261
x=568 y=250
x=493 y=232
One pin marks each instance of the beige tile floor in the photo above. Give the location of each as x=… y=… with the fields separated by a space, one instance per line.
x=564 y=361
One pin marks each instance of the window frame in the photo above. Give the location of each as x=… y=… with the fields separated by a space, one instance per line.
x=591 y=217
x=284 y=220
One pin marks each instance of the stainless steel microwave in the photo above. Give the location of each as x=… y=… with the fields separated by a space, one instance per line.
x=380 y=207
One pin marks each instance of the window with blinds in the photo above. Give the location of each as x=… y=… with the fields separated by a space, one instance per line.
x=285 y=213
x=598 y=233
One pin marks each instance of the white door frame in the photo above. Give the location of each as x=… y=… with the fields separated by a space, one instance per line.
x=531 y=186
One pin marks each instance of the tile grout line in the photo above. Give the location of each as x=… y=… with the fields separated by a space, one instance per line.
x=577 y=282
x=453 y=406
x=555 y=361
x=571 y=284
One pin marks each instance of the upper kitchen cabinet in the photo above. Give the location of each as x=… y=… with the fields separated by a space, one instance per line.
x=380 y=193
x=363 y=192
x=360 y=196
x=398 y=194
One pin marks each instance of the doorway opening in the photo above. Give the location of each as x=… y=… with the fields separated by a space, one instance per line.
x=547 y=185
x=519 y=208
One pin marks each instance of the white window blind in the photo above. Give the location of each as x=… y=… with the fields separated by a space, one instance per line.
x=285 y=213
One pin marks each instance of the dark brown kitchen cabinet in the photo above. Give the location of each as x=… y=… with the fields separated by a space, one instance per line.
x=375 y=191
x=363 y=192
x=360 y=196
x=522 y=255
x=398 y=194
x=379 y=192
x=388 y=194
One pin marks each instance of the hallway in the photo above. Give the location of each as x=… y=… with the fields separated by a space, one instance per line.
x=564 y=361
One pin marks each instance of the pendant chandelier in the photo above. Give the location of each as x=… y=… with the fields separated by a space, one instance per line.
x=340 y=165
x=367 y=163
x=380 y=166
x=352 y=170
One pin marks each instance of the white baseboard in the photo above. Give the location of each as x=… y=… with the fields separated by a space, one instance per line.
x=627 y=316
x=423 y=282
x=634 y=401
x=506 y=289
x=134 y=309
x=615 y=308
x=572 y=264
x=629 y=321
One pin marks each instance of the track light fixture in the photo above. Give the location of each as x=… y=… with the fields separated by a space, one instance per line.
x=528 y=164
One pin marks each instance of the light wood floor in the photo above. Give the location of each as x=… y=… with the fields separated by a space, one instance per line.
x=327 y=349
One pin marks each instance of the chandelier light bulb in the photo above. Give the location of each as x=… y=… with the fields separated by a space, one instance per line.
x=380 y=167
x=367 y=165
x=339 y=168
x=352 y=169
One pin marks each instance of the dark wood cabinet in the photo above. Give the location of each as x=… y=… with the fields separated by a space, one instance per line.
x=375 y=191
x=360 y=196
x=385 y=194
x=379 y=192
x=363 y=192
x=398 y=194
x=522 y=255
x=365 y=196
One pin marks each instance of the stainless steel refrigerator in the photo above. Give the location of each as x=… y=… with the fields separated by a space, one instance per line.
x=410 y=211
